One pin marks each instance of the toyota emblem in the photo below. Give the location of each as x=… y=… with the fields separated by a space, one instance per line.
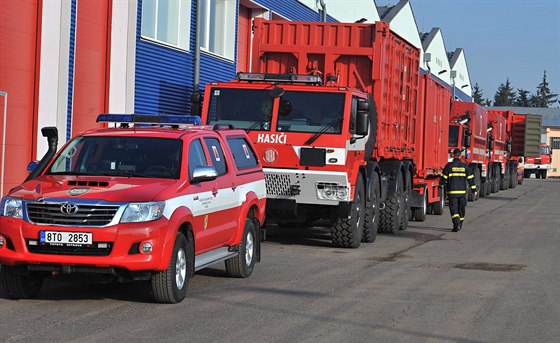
x=270 y=155
x=69 y=208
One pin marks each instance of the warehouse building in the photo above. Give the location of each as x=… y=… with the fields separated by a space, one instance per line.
x=64 y=62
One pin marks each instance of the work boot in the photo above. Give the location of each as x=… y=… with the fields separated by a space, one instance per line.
x=455 y=229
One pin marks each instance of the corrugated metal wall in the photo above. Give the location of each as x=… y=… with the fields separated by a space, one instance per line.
x=19 y=27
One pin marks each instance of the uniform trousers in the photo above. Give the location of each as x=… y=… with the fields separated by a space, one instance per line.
x=457 y=206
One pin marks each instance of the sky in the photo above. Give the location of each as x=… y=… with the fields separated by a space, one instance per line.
x=515 y=39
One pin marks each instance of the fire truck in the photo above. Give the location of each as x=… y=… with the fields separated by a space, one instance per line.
x=155 y=199
x=468 y=130
x=331 y=110
x=540 y=164
x=498 y=150
x=432 y=133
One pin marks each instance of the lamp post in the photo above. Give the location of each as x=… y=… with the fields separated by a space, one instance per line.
x=453 y=75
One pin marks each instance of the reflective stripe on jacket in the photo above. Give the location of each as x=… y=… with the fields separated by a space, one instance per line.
x=455 y=175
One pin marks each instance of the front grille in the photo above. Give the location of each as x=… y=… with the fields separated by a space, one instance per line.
x=86 y=215
x=89 y=250
x=277 y=184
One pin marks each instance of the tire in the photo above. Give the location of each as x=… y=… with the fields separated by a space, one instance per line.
x=504 y=180
x=170 y=286
x=347 y=232
x=391 y=214
x=371 y=216
x=543 y=173
x=242 y=265
x=526 y=174
x=495 y=184
x=420 y=213
x=440 y=205
x=20 y=286
x=512 y=176
x=407 y=213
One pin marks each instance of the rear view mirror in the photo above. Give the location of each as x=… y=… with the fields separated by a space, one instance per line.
x=196 y=103
x=363 y=106
x=467 y=134
x=362 y=123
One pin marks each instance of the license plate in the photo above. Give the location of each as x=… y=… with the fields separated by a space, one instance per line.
x=66 y=237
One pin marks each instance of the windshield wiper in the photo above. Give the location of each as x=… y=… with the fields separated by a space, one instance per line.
x=323 y=130
x=256 y=124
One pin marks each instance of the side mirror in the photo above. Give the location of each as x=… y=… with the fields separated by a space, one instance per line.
x=31 y=166
x=203 y=173
x=467 y=135
x=362 y=123
x=363 y=106
x=491 y=143
x=196 y=103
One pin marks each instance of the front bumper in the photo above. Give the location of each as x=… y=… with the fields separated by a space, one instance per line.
x=121 y=238
x=538 y=166
x=300 y=186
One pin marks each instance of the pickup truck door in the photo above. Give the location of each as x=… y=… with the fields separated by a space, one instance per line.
x=223 y=224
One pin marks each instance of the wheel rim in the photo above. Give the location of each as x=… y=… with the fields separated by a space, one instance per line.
x=180 y=269
x=249 y=249
x=358 y=209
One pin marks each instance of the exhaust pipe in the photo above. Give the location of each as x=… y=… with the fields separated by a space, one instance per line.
x=51 y=133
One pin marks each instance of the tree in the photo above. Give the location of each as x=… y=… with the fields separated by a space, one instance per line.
x=487 y=102
x=477 y=94
x=505 y=96
x=544 y=97
x=523 y=98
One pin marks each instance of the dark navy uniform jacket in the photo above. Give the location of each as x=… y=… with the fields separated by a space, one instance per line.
x=455 y=175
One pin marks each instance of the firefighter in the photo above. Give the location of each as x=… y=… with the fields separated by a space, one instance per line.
x=455 y=176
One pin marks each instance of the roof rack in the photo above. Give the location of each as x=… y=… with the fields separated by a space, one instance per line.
x=160 y=119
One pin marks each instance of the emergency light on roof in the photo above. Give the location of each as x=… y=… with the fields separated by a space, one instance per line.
x=161 y=119
x=286 y=78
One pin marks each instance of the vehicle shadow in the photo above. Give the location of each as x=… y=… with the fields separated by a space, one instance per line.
x=316 y=236
x=67 y=288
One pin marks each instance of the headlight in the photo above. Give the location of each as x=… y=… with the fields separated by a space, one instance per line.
x=12 y=207
x=143 y=212
x=331 y=191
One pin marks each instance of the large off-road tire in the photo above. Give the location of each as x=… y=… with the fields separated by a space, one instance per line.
x=470 y=195
x=347 y=232
x=170 y=286
x=526 y=174
x=543 y=173
x=420 y=212
x=512 y=176
x=439 y=206
x=372 y=213
x=407 y=213
x=392 y=213
x=495 y=184
x=504 y=180
x=25 y=286
x=242 y=265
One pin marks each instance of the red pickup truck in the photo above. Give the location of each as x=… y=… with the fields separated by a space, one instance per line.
x=153 y=198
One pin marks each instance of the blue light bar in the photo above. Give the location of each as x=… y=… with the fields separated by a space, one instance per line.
x=161 y=119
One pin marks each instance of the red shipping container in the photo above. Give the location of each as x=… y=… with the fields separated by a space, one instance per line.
x=368 y=57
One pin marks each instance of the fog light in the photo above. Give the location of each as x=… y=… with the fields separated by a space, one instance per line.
x=146 y=248
x=2 y=240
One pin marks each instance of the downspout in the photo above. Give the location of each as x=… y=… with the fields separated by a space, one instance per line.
x=324 y=9
x=197 y=48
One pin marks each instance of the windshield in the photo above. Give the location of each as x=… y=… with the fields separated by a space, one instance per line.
x=544 y=150
x=453 y=136
x=120 y=156
x=242 y=108
x=311 y=112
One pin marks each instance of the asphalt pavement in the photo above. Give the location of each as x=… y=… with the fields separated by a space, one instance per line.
x=497 y=280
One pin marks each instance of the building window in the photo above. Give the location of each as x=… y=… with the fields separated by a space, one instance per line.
x=555 y=143
x=218 y=18
x=167 y=22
